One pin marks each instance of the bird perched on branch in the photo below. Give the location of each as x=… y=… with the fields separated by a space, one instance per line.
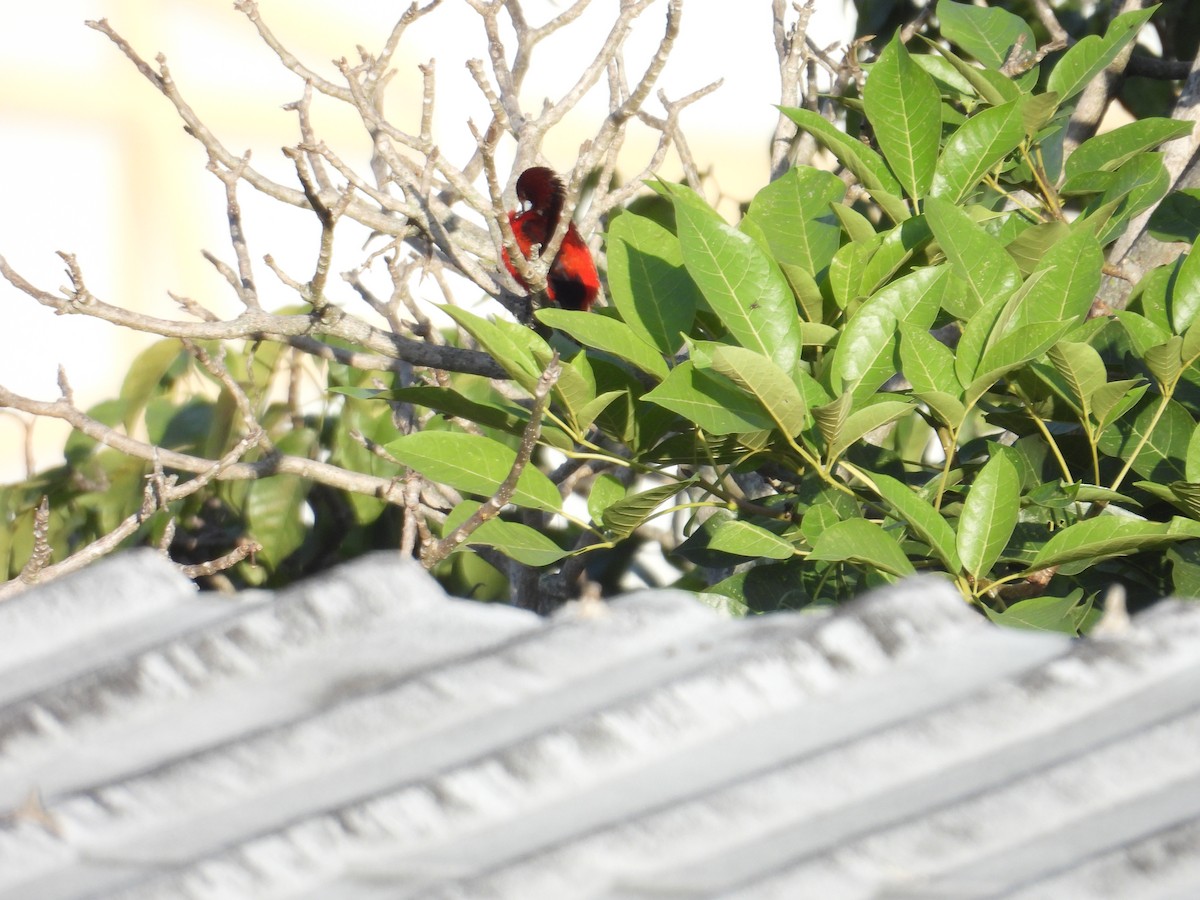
x=571 y=282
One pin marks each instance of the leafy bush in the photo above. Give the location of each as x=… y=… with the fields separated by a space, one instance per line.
x=926 y=364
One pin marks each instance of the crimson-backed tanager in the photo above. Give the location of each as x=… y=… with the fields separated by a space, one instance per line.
x=571 y=282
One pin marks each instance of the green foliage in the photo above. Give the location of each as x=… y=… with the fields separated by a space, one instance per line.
x=844 y=393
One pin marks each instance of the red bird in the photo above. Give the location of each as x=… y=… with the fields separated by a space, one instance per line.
x=572 y=282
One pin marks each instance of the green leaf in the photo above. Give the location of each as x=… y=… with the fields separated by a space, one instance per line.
x=866 y=165
x=974 y=255
x=610 y=335
x=847 y=270
x=1111 y=401
x=988 y=34
x=1028 y=247
x=863 y=421
x=1063 y=614
x=144 y=375
x=865 y=355
x=794 y=213
x=742 y=285
x=514 y=357
x=1177 y=218
x=1081 y=368
x=502 y=417
x=1136 y=186
x=1165 y=361
x=1142 y=332
x=1013 y=351
x=709 y=400
x=516 y=541
x=273 y=505
x=624 y=516
x=994 y=91
x=1163 y=457
x=473 y=464
x=989 y=515
x=745 y=539
x=947 y=407
x=904 y=107
x=975 y=148
x=606 y=490
x=1185 y=292
x=926 y=362
x=1107 y=152
x=894 y=248
x=760 y=376
x=648 y=283
x=863 y=542
x=1103 y=537
x=1060 y=290
x=1093 y=54
x=920 y=516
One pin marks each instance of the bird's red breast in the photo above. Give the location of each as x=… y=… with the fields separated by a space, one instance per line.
x=572 y=281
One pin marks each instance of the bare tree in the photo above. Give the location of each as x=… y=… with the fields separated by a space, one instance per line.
x=432 y=215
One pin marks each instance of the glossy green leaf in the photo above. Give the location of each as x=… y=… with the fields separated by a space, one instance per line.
x=513 y=356
x=1081 y=368
x=865 y=354
x=1028 y=247
x=1107 y=152
x=516 y=541
x=606 y=490
x=746 y=539
x=987 y=33
x=948 y=408
x=863 y=542
x=989 y=515
x=1185 y=292
x=624 y=516
x=992 y=91
x=1177 y=218
x=1063 y=614
x=1103 y=538
x=1163 y=456
x=863 y=421
x=926 y=362
x=794 y=214
x=974 y=255
x=648 y=283
x=1012 y=351
x=904 y=107
x=920 y=516
x=831 y=416
x=1111 y=401
x=868 y=167
x=773 y=388
x=975 y=148
x=709 y=400
x=1093 y=54
x=473 y=464
x=741 y=283
x=1060 y=290
x=893 y=250
x=607 y=334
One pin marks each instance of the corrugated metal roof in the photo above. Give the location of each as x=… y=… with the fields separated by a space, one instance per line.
x=362 y=736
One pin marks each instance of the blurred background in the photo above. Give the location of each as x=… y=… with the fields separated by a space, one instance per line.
x=98 y=163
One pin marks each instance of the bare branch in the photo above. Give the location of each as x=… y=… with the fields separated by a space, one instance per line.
x=490 y=508
x=258 y=325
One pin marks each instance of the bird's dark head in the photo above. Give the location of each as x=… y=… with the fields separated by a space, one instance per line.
x=542 y=190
